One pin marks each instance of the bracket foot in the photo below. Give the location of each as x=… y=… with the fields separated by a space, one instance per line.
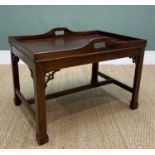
x=41 y=138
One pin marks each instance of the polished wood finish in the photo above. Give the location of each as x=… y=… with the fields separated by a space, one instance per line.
x=137 y=79
x=94 y=76
x=118 y=83
x=25 y=102
x=15 y=73
x=60 y=48
x=74 y=90
x=39 y=89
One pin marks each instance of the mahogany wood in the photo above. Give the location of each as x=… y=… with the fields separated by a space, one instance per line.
x=74 y=90
x=118 y=83
x=15 y=73
x=26 y=103
x=39 y=89
x=137 y=79
x=94 y=77
x=60 y=48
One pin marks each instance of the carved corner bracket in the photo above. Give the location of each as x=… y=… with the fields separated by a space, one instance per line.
x=15 y=58
x=134 y=59
x=48 y=76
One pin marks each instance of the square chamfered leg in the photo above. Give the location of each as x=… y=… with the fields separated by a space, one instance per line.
x=40 y=105
x=15 y=73
x=94 y=76
x=137 y=79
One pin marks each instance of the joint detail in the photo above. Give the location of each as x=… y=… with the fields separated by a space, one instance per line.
x=50 y=76
x=15 y=58
x=134 y=59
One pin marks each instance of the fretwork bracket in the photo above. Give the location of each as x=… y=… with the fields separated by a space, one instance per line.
x=15 y=58
x=134 y=59
x=48 y=76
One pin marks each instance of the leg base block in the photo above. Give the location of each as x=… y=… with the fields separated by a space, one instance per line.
x=41 y=138
x=17 y=101
x=133 y=105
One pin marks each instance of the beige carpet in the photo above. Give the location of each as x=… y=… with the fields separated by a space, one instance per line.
x=97 y=118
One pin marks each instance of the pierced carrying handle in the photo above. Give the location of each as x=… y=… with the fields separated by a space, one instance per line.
x=60 y=31
x=101 y=43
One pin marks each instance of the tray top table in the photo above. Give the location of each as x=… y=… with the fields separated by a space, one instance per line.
x=59 y=48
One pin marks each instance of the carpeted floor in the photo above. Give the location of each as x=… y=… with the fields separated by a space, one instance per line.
x=97 y=118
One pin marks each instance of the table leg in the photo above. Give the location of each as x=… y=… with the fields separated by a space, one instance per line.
x=137 y=79
x=94 y=76
x=39 y=89
x=15 y=73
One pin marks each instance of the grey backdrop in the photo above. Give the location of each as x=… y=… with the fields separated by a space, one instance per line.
x=136 y=21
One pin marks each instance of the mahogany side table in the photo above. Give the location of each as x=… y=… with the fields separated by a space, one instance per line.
x=59 y=48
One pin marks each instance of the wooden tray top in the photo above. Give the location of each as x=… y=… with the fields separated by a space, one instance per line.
x=62 y=42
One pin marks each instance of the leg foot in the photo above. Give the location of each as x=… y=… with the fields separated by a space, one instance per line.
x=41 y=138
x=133 y=105
x=17 y=101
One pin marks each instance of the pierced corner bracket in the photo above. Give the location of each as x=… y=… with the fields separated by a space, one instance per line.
x=50 y=76
x=15 y=58
x=134 y=59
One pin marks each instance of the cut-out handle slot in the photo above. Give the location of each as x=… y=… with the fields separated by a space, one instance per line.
x=59 y=33
x=99 y=45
